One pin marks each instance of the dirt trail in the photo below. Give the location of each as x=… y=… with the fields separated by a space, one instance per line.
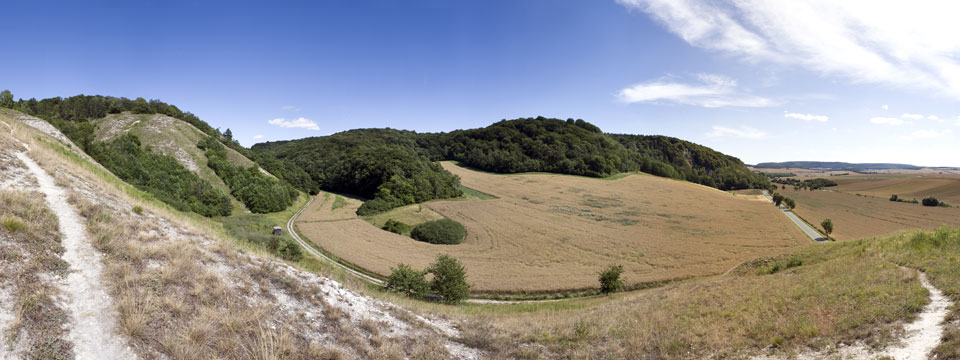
x=924 y=334
x=93 y=316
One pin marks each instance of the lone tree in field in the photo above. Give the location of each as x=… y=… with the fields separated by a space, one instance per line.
x=827 y=227
x=893 y=197
x=449 y=279
x=610 y=279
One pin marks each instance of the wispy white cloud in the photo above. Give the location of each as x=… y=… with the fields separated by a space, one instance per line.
x=806 y=117
x=889 y=121
x=290 y=108
x=745 y=132
x=885 y=107
x=898 y=43
x=257 y=137
x=934 y=118
x=931 y=133
x=302 y=123
x=710 y=91
x=912 y=116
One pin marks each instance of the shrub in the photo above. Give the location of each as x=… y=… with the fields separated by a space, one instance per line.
x=893 y=197
x=138 y=209
x=443 y=231
x=449 y=279
x=285 y=248
x=408 y=281
x=610 y=279
x=931 y=201
x=396 y=227
x=12 y=225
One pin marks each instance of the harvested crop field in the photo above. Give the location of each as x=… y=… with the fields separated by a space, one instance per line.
x=856 y=216
x=555 y=232
x=944 y=187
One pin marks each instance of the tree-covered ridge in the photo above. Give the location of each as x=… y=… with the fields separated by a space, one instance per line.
x=258 y=192
x=72 y=115
x=396 y=167
x=573 y=147
x=160 y=175
x=388 y=166
x=691 y=162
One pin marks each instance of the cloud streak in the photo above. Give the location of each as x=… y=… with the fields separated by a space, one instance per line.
x=711 y=91
x=897 y=43
x=744 y=132
x=299 y=123
x=806 y=117
x=889 y=121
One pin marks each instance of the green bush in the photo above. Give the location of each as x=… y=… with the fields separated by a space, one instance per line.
x=449 y=279
x=443 y=231
x=407 y=281
x=396 y=227
x=12 y=225
x=931 y=201
x=610 y=279
x=138 y=209
x=893 y=198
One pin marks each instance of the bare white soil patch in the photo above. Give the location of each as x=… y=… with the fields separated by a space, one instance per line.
x=93 y=316
x=43 y=126
x=7 y=317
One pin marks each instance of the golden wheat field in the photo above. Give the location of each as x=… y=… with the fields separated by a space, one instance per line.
x=857 y=216
x=554 y=232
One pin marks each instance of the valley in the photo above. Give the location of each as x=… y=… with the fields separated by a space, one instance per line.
x=553 y=233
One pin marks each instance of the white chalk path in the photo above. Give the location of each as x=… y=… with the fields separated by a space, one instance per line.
x=923 y=335
x=91 y=309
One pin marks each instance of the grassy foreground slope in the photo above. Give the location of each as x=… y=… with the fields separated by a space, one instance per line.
x=810 y=300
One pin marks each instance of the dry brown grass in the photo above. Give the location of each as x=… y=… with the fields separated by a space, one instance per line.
x=842 y=292
x=30 y=265
x=553 y=232
x=856 y=217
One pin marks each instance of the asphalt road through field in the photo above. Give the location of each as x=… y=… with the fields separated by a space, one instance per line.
x=811 y=232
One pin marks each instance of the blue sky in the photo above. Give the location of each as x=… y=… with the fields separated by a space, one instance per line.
x=760 y=80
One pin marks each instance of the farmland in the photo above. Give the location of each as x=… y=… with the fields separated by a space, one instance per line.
x=866 y=216
x=554 y=232
x=944 y=187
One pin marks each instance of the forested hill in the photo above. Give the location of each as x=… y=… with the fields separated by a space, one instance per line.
x=395 y=167
x=837 y=166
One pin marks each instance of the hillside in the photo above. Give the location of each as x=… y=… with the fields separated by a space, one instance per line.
x=157 y=147
x=387 y=159
x=834 y=166
x=102 y=270
x=168 y=136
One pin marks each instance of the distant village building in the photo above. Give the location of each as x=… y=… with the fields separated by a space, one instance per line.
x=277 y=231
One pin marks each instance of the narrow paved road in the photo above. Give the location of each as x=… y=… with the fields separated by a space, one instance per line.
x=811 y=232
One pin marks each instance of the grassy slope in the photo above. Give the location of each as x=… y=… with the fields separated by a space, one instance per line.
x=171 y=137
x=842 y=292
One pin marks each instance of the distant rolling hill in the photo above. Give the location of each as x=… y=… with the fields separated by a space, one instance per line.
x=835 y=166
